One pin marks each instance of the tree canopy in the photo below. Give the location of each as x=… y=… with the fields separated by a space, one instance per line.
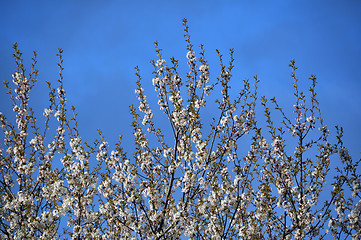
x=190 y=178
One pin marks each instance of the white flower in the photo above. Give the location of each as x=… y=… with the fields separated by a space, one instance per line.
x=16 y=78
x=189 y=54
x=191 y=57
x=47 y=112
x=310 y=119
x=207 y=90
x=224 y=120
x=155 y=80
x=160 y=62
x=167 y=152
x=16 y=108
x=204 y=68
x=176 y=79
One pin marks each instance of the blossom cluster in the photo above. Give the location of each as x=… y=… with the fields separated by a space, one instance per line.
x=238 y=175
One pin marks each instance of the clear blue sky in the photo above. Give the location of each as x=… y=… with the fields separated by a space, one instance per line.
x=104 y=40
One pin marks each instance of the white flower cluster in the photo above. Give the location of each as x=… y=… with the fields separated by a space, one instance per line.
x=355 y=220
x=219 y=178
x=48 y=112
x=191 y=56
x=204 y=77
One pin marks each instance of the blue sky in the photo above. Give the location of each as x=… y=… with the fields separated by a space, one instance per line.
x=104 y=40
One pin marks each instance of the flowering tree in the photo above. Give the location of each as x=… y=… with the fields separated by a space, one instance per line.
x=191 y=179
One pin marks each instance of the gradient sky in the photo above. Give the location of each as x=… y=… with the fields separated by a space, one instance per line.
x=104 y=40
